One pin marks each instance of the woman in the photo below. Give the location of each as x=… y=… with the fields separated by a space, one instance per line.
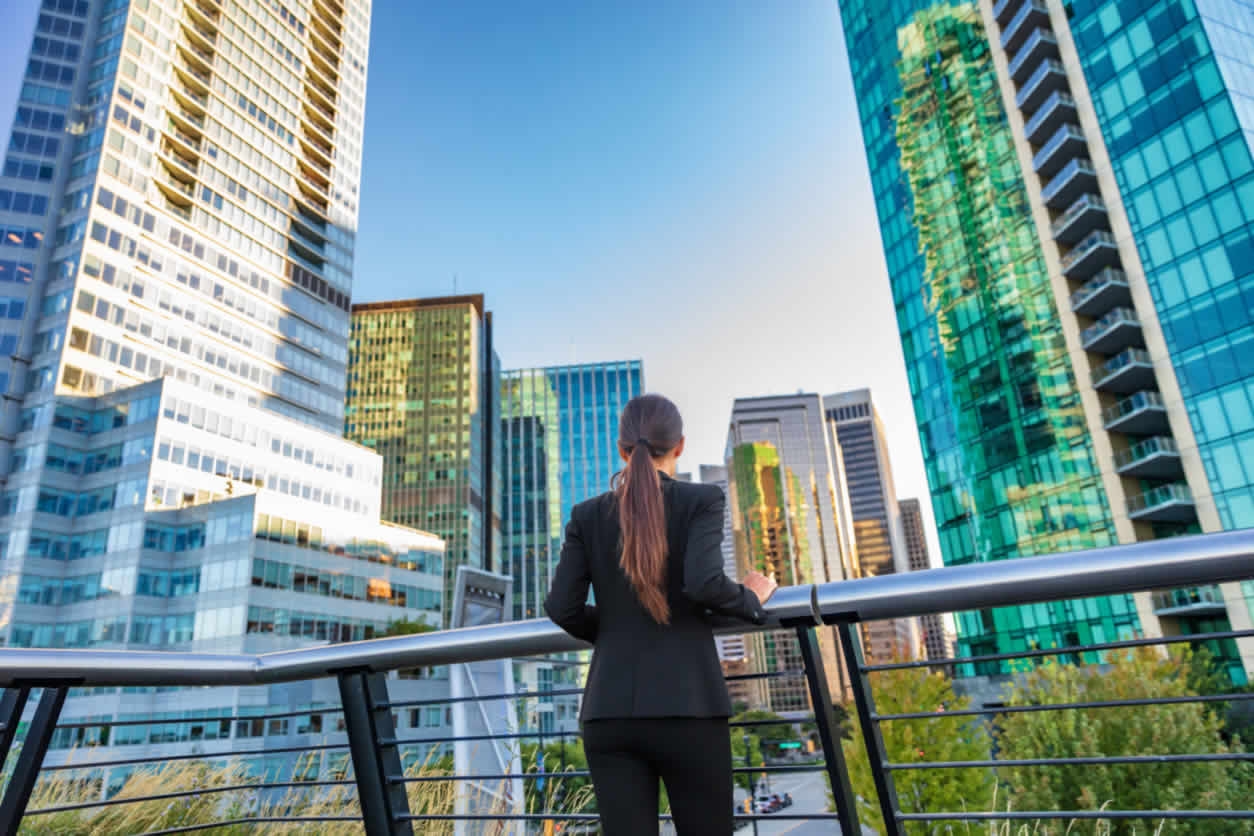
x=656 y=705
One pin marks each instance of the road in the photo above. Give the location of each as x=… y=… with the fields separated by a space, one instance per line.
x=809 y=795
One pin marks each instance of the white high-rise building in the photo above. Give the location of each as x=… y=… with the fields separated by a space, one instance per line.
x=178 y=207
x=180 y=199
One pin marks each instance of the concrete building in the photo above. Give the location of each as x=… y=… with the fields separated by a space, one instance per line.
x=937 y=634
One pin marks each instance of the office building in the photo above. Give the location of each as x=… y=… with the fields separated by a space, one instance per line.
x=937 y=635
x=179 y=198
x=423 y=392
x=559 y=446
x=160 y=517
x=1065 y=194
x=559 y=441
x=733 y=650
x=791 y=520
x=877 y=524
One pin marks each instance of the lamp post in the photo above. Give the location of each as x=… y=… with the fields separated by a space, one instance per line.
x=753 y=800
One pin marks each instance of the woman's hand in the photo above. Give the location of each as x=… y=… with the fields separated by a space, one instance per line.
x=761 y=586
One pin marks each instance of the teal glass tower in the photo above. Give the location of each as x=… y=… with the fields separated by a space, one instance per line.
x=1040 y=243
x=559 y=433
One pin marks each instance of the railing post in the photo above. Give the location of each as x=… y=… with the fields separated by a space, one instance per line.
x=11 y=707
x=829 y=734
x=31 y=758
x=368 y=719
x=865 y=702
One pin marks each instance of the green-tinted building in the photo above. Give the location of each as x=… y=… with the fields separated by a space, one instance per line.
x=1027 y=219
x=423 y=384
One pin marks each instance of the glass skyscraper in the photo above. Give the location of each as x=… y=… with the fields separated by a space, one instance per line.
x=1063 y=192
x=559 y=440
x=423 y=392
x=559 y=446
x=790 y=519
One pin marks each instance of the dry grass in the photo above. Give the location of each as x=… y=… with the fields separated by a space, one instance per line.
x=209 y=798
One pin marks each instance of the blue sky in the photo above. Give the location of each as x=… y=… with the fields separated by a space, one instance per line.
x=680 y=182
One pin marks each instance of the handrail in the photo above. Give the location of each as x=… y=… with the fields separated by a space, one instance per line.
x=1179 y=561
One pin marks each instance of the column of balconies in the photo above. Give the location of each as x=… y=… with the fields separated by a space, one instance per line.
x=1101 y=300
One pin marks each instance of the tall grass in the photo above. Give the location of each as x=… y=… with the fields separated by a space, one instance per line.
x=219 y=792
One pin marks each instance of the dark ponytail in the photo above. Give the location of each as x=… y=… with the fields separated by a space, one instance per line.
x=650 y=427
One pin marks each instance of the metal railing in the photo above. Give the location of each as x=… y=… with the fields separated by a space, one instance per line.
x=379 y=792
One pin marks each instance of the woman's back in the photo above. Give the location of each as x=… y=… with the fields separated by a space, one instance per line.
x=643 y=668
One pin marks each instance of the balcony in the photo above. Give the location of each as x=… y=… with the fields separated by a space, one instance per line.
x=1033 y=14
x=201 y=37
x=1139 y=414
x=1172 y=503
x=1049 y=77
x=1106 y=290
x=1081 y=218
x=180 y=194
x=1128 y=371
x=1076 y=178
x=1004 y=10
x=1190 y=601
x=1118 y=329
x=190 y=122
x=186 y=139
x=1053 y=112
x=168 y=154
x=1066 y=144
x=1039 y=45
x=190 y=75
x=314 y=248
x=1156 y=457
x=1096 y=251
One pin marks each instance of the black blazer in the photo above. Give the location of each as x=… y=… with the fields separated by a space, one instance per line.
x=641 y=668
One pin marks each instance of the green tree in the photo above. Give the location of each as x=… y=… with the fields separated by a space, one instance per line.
x=742 y=741
x=909 y=691
x=1176 y=729
x=405 y=627
x=770 y=734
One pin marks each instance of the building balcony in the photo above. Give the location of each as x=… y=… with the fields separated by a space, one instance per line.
x=1166 y=503
x=1128 y=371
x=1156 y=457
x=180 y=194
x=1139 y=414
x=1065 y=145
x=311 y=243
x=1004 y=10
x=1096 y=251
x=168 y=154
x=188 y=141
x=191 y=76
x=194 y=54
x=1049 y=77
x=1053 y=112
x=1040 y=44
x=1193 y=600
x=200 y=36
x=1119 y=328
x=196 y=104
x=1034 y=13
x=1106 y=290
x=1081 y=218
x=1076 y=178
x=189 y=122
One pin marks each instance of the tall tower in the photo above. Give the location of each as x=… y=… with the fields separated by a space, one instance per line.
x=877 y=524
x=183 y=181
x=559 y=441
x=790 y=520
x=937 y=636
x=1073 y=285
x=423 y=392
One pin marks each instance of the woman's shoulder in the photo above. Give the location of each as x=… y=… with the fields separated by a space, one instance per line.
x=598 y=507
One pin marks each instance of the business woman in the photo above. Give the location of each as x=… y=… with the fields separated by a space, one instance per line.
x=656 y=705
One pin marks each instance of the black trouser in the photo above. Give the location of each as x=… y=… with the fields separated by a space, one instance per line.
x=692 y=755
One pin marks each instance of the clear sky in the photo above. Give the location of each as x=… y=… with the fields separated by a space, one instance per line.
x=682 y=182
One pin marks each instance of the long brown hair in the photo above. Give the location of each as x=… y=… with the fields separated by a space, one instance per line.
x=650 y=427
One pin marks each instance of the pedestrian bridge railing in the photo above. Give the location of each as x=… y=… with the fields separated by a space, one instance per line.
x=362 y=771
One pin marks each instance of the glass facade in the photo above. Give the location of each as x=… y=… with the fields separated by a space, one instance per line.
x=1173 y=88
x=559 y=433
x=1010 y=461
x=790 y=518
x=423 y=392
